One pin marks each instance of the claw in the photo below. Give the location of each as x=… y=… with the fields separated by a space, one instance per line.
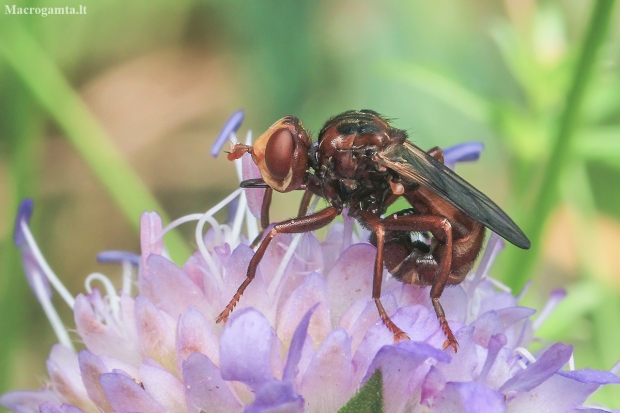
x=451 y=340
x=222 y=318
x=451 y=343
x=401 y=336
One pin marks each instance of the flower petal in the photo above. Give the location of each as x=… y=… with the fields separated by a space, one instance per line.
x=205 y=390
x=114 y=339
x=432 y=386
x=245 y=348
x=163 y=387
x=197 y=270
x=465 y=361
x=256 y=294
x=306 y=259
x=542 y=369
x=591 y=376
x=49 y=407
x=276 y=397
x=327 y=382
x=470 y=397
x=496 y=343
x=91 y=369
x=404 y=366
x=313 y=290
x=194 y=335
x=66 y=381
x=417 y=321
x=173 y=289
x=350 y=278
x=27 y=401
x=362 y=315
x=255 y=196
x=150 y=236
x=478 y=398
x=297 y=343
x=156 y=333
x=125 y=395
x=558 y=394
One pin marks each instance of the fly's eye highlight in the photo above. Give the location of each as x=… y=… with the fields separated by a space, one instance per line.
x=279 y=154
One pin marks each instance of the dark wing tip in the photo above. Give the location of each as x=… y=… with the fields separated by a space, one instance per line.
x=524 y=243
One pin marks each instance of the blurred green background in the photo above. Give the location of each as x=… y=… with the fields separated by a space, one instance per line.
x=109 y=113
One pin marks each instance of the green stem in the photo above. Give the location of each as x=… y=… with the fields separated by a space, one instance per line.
x=520 y=264
x=20 y=131
x=52 y=90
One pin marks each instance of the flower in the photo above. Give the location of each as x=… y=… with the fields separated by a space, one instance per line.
x=305 y=336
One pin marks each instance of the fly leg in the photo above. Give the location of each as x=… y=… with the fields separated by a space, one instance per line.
x=305 y=203
x=375 y=224
x=441 y=229
x=264 y=212
x=264 y=216
x=292 y=226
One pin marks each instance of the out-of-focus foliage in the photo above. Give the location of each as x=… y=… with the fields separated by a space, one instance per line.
x=102 y=114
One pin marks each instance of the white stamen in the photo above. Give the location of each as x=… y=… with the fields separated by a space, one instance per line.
x=238 y=221
x=227 y=235
x=50 y=311
x=179 y=221
x=499 y=285
x=347 y=231
x=217 y=231
x=207 y=216
x=571 y=361
x=277 y=278
x=111 y=293
x=524 y=291
x=127 y=277
x=616 y=368
x=525 y=353
x=275 y=286
x=490 y=252
x=251 y=225
x=554 y=300
x=47 y=271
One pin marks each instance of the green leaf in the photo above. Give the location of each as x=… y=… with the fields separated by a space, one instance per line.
x=369 y=399
x=519 y=265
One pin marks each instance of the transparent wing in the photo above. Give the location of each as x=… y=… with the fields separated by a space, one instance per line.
x=414 y=164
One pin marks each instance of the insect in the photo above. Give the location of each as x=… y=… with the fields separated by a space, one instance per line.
x=365 y=164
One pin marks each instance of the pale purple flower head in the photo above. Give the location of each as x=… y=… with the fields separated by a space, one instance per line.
x=305 y=336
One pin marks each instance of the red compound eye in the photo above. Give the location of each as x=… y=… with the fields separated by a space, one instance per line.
x=279 y=154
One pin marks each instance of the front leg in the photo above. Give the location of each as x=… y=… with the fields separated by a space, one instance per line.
x=292 y=226
x=264 y=212
x=264 y=216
